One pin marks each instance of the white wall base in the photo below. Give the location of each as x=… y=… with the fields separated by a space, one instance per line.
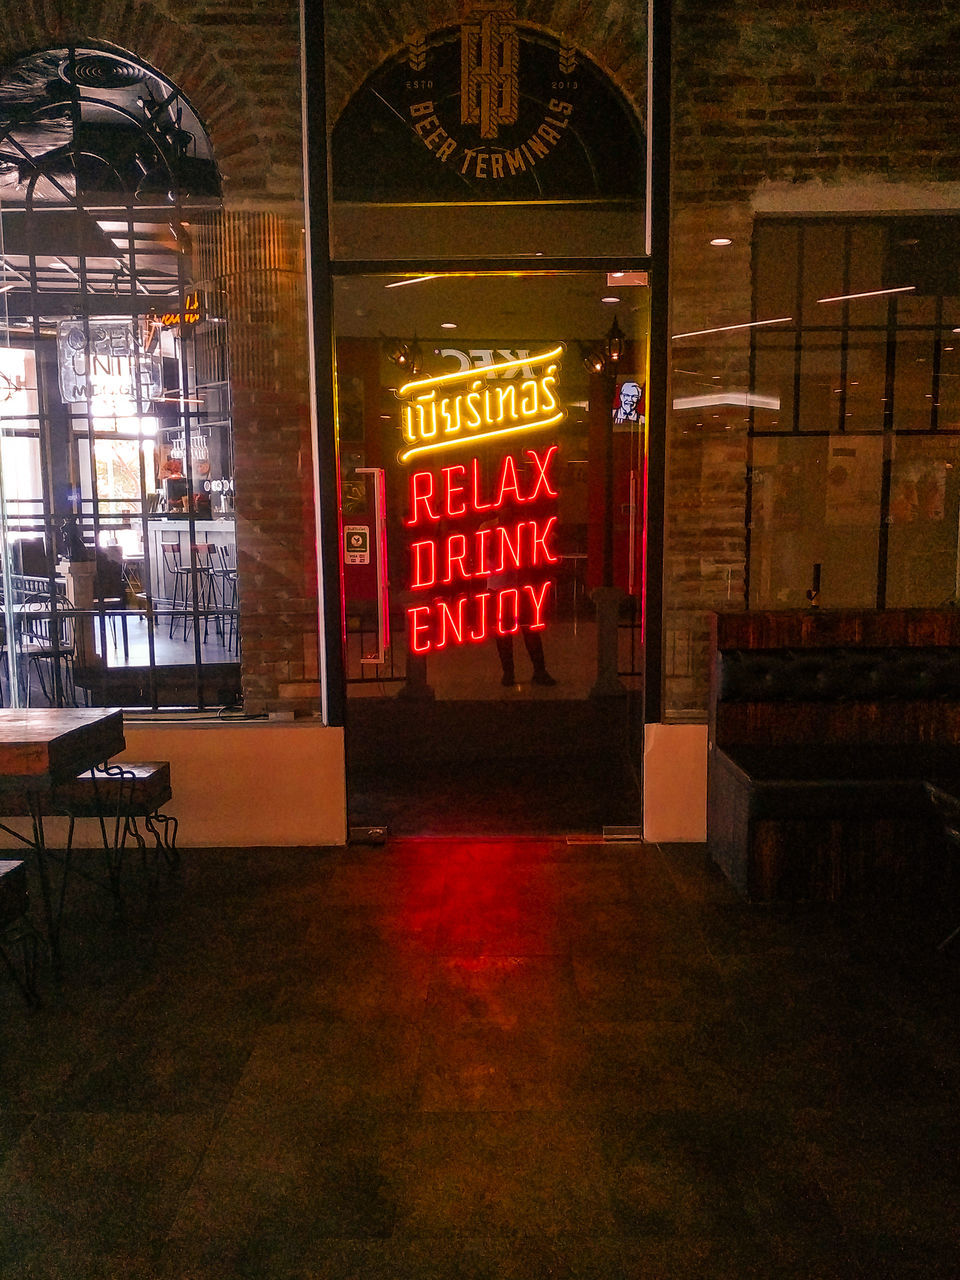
x=240 y=785
x=675 y=783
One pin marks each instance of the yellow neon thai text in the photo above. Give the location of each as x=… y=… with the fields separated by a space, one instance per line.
x=460 y=407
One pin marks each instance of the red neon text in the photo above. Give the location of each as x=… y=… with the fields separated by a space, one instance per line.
x=484 y=553
x=474 y=617
x=458 y=490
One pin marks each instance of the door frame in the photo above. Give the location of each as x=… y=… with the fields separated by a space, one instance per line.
x=322 y=270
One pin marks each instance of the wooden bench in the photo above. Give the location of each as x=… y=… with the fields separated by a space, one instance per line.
x=124 y=792
x=824 y=727
x=118 y=796
x=120 y=793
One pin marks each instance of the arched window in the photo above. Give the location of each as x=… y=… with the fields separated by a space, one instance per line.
x=116 y=468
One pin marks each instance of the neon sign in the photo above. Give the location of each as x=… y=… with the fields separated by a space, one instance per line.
x=102 y=362
x=483 y=550
x=192 y=313
x=457 y=408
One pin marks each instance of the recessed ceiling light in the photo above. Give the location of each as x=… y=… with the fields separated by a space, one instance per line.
x=448 y=324
x=729 y=328
x=721 y=241
x=610 y=299
x=873 y=293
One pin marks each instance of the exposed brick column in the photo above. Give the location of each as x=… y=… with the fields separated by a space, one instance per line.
x=705 y=534
x=260 y=277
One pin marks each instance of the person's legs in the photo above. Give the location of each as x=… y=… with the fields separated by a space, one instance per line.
x=534 y=646
x=505 y=650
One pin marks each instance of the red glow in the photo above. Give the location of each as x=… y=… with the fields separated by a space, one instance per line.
x=538 y=542
x=455 y=506
x=538 y=600
x=471 y=617
x=456 y=554
x=421 y=492
x=451 y=621
x=419 y=622
x=494 y=556
x=475 y=473
x=509 y=482
x=508 y=612
x=543 y=480
x=479 y=631
x=509 y=547
x=461 y=488
x=424 y=557
x=484 y=552
x=484 y=565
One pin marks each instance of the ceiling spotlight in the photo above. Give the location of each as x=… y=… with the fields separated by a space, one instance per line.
x=610 y=299
x=398 y=284
x=448 y=324
x=721 y=241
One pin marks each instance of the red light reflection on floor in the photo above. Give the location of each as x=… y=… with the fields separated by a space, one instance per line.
x=499 y=897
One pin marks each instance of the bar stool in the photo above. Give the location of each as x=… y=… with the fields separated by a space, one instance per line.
x=226 y=575
x=195 y=580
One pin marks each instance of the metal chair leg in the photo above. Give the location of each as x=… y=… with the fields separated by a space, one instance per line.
x=23 y=936
x=948 y=939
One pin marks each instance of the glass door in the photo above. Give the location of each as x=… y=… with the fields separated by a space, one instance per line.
x=491 y=447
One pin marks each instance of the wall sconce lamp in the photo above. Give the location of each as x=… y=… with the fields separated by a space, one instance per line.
x=604 y=357
x=407 y=356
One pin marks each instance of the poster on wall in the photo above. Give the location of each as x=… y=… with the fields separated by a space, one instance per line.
x=629 y=408
x=918 y=490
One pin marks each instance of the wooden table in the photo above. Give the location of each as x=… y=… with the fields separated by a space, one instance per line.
x=41 y=747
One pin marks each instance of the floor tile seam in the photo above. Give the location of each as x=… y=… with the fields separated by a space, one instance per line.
x=146 y=1115
x=411 y=1117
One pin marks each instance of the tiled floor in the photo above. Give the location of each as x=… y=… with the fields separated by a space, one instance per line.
x=455 y=1059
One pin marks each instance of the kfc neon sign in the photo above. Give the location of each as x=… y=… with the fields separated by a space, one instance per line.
x=462 y=407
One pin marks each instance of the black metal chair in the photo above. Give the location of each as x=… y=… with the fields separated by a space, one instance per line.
x=226 y=576
x=193 y=578
x=110 y=593
x=46 y=642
